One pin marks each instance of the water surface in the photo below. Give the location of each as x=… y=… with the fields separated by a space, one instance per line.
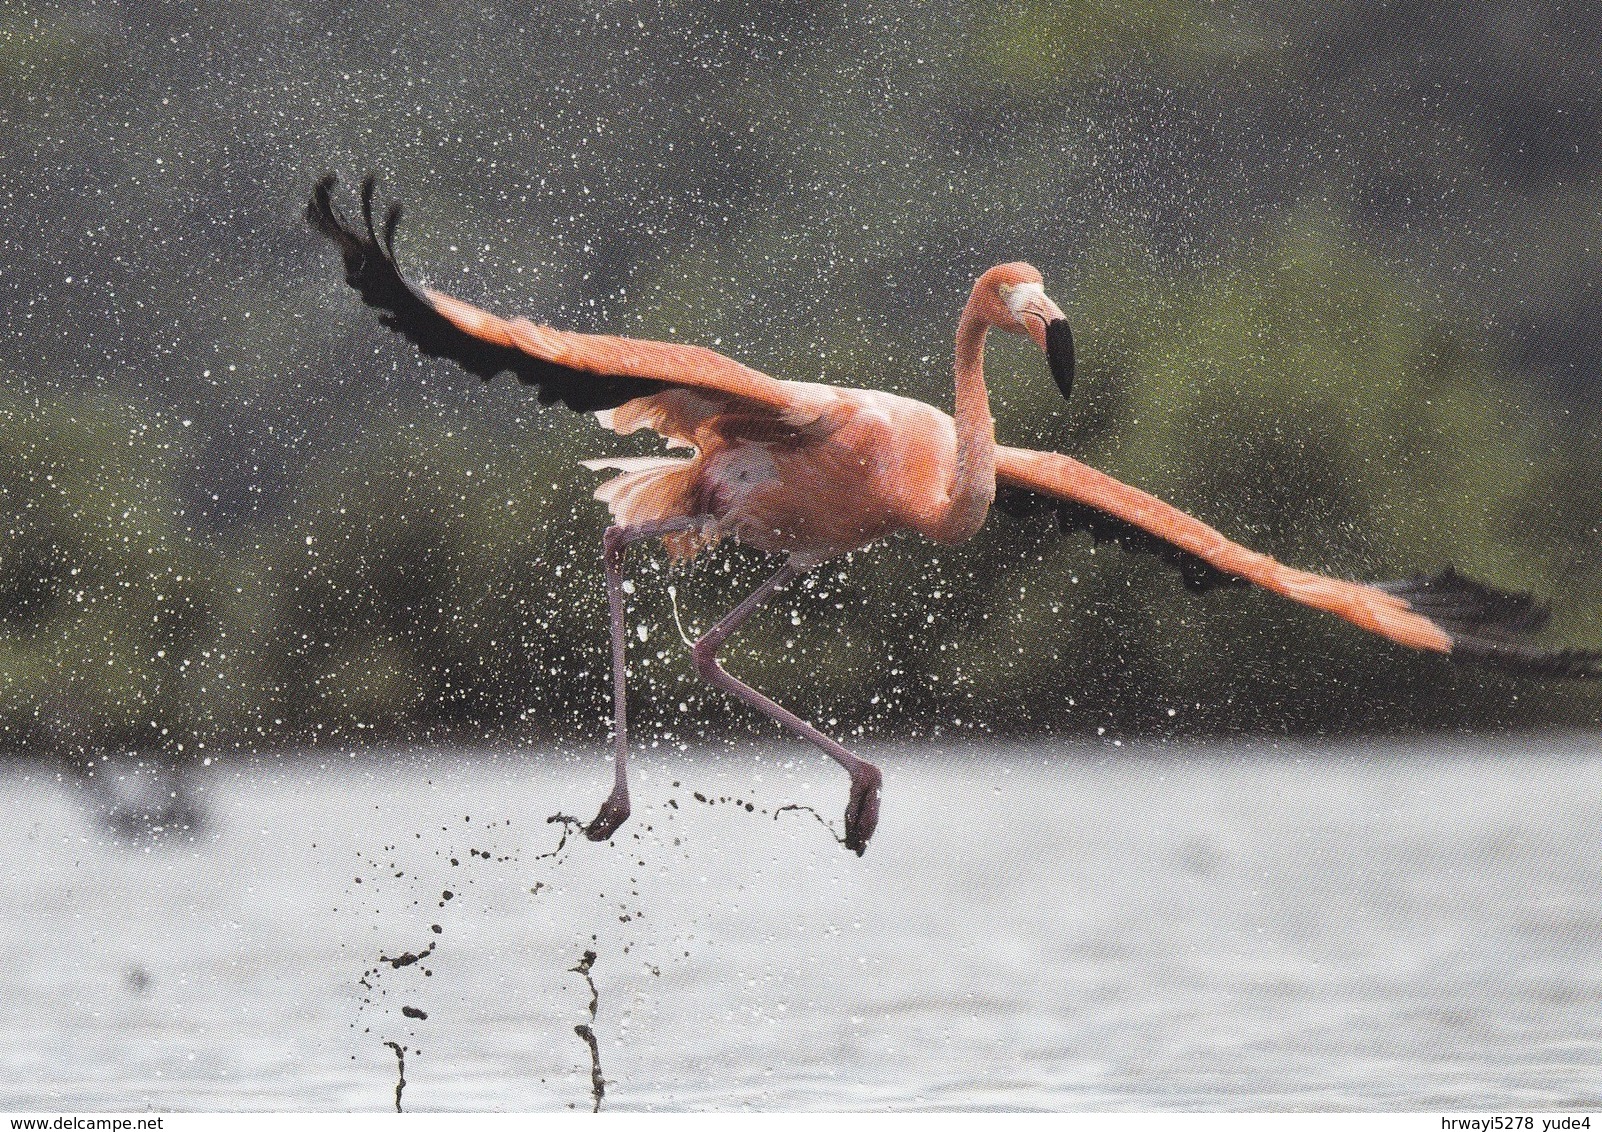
x=1303 y=927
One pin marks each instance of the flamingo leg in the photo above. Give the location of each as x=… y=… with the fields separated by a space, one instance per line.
x=862 y=810
x=615 y=810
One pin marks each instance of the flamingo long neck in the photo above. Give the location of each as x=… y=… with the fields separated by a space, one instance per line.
x=973 y=487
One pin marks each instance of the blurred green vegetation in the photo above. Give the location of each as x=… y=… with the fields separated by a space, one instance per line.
x=240 y=514
x=110 y=611
x=1031 y=47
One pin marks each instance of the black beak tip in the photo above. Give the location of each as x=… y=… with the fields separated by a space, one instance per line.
x=1060 y=355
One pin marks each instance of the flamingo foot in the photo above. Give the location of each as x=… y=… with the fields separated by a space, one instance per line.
x=613 y=813
x=862 y=811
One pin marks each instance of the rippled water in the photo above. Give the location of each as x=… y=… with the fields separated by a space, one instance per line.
x=1032 y=928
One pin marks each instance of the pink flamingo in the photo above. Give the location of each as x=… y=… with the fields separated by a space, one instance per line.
x=811 y=471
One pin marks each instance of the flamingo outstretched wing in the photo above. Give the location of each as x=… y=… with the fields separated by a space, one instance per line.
x=586 y=372
x=1070 y=516
x=1445 y=613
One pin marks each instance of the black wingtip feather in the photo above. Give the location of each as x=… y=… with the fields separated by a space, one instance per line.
x=369 y=187
x=1568 y=664
x=320 y=213
x=1460 y=604
x=391 y=222
x=1197 y=573
x=1486 y=625
x=371 y=269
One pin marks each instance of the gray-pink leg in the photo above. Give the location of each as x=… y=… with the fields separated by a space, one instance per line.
x=615 y=810
x=862 y=810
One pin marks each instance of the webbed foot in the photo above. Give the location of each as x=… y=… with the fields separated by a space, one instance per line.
x=613 y=813
x=862 y=811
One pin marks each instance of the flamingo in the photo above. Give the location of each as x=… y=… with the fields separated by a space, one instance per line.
x=810 y=471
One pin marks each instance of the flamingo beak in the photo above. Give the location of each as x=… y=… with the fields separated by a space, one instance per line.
x=1060 y=355
x=1045 y=323
x=1037 y=312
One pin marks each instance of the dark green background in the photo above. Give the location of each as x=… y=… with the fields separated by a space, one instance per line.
x=1334 y=276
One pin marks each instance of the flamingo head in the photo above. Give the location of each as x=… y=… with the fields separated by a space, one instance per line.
x=1012 y=297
